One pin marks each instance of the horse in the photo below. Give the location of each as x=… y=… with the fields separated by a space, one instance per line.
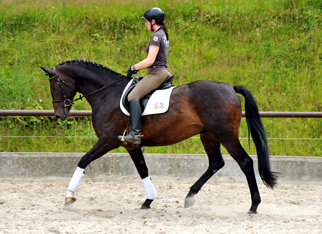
x=211 y=109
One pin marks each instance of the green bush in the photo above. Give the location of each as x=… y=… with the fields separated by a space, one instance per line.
x=271 y=47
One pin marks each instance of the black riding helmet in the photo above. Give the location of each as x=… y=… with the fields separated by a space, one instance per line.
x=154 y=13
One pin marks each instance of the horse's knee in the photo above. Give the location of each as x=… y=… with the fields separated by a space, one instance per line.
x=83 y=163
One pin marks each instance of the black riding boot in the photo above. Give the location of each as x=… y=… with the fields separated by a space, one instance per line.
x=134 y=136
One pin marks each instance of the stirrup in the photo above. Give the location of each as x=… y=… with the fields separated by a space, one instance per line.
x=122 y=138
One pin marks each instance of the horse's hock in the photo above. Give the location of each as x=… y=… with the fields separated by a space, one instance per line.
x=33 y=165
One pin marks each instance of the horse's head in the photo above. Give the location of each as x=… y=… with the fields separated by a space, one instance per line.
x=63 y=90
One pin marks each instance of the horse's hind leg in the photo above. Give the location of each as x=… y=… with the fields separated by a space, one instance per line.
x=246 y=164
x=216 y=161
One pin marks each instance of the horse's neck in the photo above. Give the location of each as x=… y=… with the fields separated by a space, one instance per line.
x=89 y=84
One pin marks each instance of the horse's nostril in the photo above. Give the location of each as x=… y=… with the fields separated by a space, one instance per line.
x=57 y=116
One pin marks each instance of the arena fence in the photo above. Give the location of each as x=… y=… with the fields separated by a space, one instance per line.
x=310 y=143
x=89 y=113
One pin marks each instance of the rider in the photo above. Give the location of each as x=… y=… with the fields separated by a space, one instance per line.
x=157 y=70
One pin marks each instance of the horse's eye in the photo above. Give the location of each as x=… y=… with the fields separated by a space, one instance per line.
x=53 y=88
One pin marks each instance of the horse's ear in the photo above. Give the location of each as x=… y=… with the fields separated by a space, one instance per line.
x=48 y=71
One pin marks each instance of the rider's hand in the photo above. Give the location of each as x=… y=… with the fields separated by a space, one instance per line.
x=130 y=72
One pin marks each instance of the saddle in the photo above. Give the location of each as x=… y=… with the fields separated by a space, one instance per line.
x=155 y=102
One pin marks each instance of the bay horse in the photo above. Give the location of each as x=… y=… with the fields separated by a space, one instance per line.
x=211 y=109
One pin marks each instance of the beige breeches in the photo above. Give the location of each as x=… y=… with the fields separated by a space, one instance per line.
x=150 y=82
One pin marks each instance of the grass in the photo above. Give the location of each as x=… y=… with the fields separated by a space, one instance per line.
x=271 y=47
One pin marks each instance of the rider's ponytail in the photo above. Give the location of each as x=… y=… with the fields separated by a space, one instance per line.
x=164 y=27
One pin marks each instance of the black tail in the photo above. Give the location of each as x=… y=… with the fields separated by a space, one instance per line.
x=257 y=130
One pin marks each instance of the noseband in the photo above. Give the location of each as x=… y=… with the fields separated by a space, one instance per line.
x=67 y=102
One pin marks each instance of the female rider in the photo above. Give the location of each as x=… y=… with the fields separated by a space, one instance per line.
x=157 y=70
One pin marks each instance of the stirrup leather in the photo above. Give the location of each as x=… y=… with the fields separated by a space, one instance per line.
x=121 y=138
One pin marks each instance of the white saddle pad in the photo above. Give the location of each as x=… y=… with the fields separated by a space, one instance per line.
x=157 y=104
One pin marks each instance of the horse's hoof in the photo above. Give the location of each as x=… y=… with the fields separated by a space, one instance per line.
x=69 y=201
x=251 y=212
x=145 y=207
x=146 y=204
x=189 y=201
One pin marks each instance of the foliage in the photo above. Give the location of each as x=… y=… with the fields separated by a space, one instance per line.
x=271 y=47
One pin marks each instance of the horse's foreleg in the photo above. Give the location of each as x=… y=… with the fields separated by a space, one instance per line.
x=73 y=185
x=139 y=162
x=98 y=150
x=151 y=194
x=216 y=161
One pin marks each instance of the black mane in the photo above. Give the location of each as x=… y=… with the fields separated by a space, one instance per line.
x=93 y=64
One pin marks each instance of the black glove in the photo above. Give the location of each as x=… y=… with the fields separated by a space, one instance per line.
x=130 y=72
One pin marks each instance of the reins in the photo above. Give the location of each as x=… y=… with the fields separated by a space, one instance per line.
x=67 y=102
x=100 y=89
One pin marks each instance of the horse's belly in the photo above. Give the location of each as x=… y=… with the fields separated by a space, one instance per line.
x=169 y=136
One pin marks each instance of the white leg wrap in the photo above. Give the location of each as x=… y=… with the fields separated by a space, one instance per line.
x=149 y=188
x=70 y=194
x=74 y=183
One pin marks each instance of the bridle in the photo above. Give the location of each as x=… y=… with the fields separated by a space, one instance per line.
x=67 y=102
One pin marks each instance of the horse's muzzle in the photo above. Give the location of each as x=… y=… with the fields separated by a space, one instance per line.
x=62 y=114
x=59 y=117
